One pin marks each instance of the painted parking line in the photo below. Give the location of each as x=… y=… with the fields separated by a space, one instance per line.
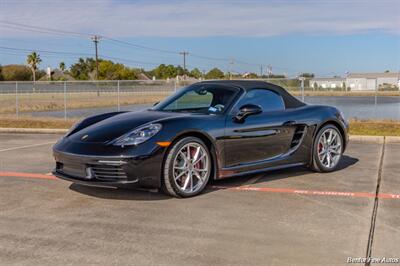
x=311 y=192
x=27 y=146
x=26 y=175
x=247 y=188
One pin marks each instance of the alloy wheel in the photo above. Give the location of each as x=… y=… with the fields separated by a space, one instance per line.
x=329 y=148
x=191 y=167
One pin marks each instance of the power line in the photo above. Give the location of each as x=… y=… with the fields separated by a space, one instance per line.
x=52 y=52
x=31 y=30
x=140 y=46
x=44 y=51
x=24 y=27
x=77 y=54
x=131 y=61
x=209 y=58
x=78 y=34
x=50 y=30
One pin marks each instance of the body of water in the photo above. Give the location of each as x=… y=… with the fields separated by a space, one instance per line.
x=362 y=107
x=383 y=107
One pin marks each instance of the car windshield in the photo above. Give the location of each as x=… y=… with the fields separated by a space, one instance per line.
x=199 y=99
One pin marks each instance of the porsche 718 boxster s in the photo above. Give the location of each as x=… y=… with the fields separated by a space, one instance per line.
x=208 y=130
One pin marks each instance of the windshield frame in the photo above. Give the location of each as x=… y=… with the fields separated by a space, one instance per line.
x=167 y=101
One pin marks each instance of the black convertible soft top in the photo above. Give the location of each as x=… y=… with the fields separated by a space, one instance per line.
x=290 y=101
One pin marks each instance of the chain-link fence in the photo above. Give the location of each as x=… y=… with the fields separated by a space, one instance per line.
x=76 y=99
x=43 y=98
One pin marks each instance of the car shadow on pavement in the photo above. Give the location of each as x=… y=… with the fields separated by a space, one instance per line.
x=119 y=193
x=147 y=195
x=246 y=180
x=346 y=162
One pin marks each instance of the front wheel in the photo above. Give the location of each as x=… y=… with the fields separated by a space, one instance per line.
x=328 y=149
x=187 y=168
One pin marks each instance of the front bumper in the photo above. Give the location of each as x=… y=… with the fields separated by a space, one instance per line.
x=110 y=171
x=94 y=183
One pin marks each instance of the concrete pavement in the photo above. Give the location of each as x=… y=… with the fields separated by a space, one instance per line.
x=53 y=222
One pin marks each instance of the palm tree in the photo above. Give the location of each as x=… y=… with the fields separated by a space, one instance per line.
x=33 y=61
x=62 y=66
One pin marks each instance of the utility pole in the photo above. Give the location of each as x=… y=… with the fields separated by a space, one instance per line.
x=302 y=87
x=96 y=40
x=269 y=70
x=231 y=63
x=184 y=59
x=261 y=71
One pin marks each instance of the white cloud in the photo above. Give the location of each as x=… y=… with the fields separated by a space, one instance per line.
x=203 y=18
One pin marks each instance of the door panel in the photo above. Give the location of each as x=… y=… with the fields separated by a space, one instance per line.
x=259 y=138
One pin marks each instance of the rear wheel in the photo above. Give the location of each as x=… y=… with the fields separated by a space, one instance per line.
x=328 y=149
x=187 y=168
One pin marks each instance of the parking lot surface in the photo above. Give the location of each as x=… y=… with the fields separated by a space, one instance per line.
x=286 y=217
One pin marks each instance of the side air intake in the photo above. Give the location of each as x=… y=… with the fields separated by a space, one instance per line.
x=298 y=136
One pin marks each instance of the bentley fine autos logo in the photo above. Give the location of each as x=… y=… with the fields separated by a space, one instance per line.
x=84 y=137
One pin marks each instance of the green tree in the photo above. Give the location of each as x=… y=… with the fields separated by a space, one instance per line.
x=62 y=66
x=33 y=61
x=293 y=84
x=16 y=73
x=82 y=69
x=252 y=76
x=40 y=73
x=277 y=76
x=195 y=73
x=109 y=70
x=164 y=71
x=180 y=71
x=307 y=75
x=1 y=73
x=215 y=73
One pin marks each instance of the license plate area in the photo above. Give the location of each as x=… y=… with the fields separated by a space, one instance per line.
x=75 y=170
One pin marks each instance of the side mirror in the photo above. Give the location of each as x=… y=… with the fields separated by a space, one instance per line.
x=247 y=110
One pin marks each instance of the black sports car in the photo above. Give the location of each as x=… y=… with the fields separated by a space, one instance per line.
x=208 y=130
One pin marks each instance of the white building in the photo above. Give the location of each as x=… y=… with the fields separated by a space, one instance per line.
x=372 y=81
x=359 y=82
x=327 y=83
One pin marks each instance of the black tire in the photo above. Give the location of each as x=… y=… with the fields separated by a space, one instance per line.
x=169 y=185
x=316 y=165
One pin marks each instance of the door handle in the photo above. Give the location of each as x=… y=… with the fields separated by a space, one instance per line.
x=289 y=123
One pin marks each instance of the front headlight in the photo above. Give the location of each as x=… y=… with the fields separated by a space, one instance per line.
x=138 y=135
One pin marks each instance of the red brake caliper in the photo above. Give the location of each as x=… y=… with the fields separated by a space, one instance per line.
x=320 y=147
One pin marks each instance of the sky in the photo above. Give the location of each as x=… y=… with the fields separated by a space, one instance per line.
x=322 y=37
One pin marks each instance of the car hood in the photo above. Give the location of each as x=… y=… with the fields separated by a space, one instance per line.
x=120 y=124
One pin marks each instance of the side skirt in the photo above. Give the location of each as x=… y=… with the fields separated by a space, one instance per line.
x=225 y=173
